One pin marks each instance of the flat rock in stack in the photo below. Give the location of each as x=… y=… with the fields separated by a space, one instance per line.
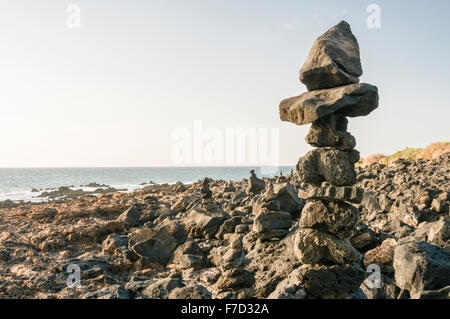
x=350 y=100
x=350 y=194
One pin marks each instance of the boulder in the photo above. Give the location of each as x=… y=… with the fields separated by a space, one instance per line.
x=189 y=255
x=421 y=266
x=337 y=281
x=234 y=279
x=242 y=229
x=312 y=246
x=337 y=218
x=201 y=223
x=195 y=262
x=268 y=225
x=112 y=242
x=141 y=234
x=130 y=217
x=439 y=233
x=287 y=199
x=365 y=238
x=216 y=254
x=333 y=59
x=331 y=130
x=382 y=255
x=289 y=288
x=328 y=165
x=182 y=203
x=386 y=287
x=350 y=100
x=193 y=291
x=143 y=263
x=163 y=241
x=233 y=258
x=228 y=226
x=441 y=203
x=422 y=231
x=162 y=288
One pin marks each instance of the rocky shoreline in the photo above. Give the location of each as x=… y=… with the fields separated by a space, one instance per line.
x=215 y=239
x=67 y=193
x=331 y=230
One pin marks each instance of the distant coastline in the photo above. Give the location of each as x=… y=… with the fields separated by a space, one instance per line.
x=30 y=184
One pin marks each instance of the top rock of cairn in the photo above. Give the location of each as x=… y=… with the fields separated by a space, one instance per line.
x=333 y=60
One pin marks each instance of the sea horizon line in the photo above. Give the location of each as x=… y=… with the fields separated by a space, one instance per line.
x=191 y=166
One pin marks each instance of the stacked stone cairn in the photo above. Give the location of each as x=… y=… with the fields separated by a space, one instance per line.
x=331 y=265
x=206 y=196
x=234 y=276
x=255 y=185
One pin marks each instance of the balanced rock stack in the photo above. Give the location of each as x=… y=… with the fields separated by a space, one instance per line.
x=331 y=265
x=206 y=196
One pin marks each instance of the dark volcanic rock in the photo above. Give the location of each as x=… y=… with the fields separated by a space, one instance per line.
x=269 y=225
x=439 y=233
x=205 y=190
x=279 y=197
x=287 y=199
x=162 y=288
x=190 y=292
x=337 y=218
x=382 y=255
x=162 y=242
x=337 y=281
x=289 y=288
x=312 y=246
x=110 y=292
x=332 y=193
x=350 y=100
x=202 y=223
x=130 y=217
x=112 y=242
x=421 y=266
x=333 y=60
x=235 y=279
x=331 y=130
x=328 y=165
x=189 y=255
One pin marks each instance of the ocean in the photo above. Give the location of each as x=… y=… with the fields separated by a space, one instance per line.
x=16 y=183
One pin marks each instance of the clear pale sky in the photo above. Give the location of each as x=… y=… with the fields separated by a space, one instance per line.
x=111 y=92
